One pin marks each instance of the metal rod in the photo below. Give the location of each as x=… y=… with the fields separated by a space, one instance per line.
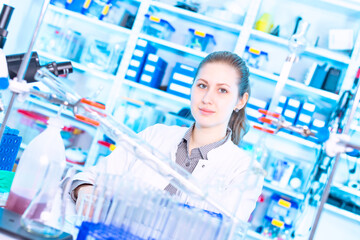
x=326 y=192
x=24 y=65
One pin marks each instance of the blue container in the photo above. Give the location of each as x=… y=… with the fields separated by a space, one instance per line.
x=181 y=80
x=9 y=148
x=253 y=115
x=153 y=71
x=200 y=40
x=142 y=50
x=157 y=27
x=75 y=5
x=316 y=126
x=256 y=103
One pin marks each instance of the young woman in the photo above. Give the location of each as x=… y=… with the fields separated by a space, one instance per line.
x=208 y=149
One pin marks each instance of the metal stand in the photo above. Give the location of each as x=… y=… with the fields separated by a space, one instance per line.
x=24 y=65
x=326 y=192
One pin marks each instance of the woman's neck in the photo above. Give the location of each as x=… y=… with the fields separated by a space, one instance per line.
x=204 y=136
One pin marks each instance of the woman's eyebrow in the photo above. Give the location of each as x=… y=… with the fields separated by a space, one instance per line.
x=202 y=80
x=220 y=84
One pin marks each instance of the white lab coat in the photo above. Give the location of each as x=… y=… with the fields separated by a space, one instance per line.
x=224 y=170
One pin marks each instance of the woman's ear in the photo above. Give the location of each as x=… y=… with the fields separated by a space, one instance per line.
x=242 y=101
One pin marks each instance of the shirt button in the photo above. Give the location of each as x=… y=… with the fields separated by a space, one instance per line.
x=187 y=164
x=203 y=166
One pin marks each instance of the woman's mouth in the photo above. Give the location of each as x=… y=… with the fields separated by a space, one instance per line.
x=205 y=111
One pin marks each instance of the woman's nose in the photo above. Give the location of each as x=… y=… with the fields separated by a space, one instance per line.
x=207 y=98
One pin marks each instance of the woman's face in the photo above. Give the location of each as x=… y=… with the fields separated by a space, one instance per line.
x=214 y=95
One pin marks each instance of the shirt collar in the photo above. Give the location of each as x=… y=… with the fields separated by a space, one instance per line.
x=204 y=150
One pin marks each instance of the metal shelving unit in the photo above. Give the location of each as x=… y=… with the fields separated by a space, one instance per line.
x=94 y=21
x=209 y=21
x=173 y=46
x=318 y=52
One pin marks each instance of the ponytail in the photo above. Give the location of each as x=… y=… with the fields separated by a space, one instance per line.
x=237 y=122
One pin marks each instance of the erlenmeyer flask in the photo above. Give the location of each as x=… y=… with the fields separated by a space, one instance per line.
x=45 y=215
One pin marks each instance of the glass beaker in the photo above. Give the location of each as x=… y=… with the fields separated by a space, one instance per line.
x=45 y=216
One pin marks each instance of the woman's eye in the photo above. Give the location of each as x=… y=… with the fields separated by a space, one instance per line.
x=222 y=90
x=201 y=85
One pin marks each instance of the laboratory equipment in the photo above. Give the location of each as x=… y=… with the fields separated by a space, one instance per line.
x=255 y=58
x=142 y=49
x=97 y=8
x=102 y=55
x=265 y=23
x=181 y=80
x=5 y=15
x=31 y=123
x=279 y=218
x=10 y=227
x=71 y=44
x=153 y=71
x=45 y=214
x=75 y=156
x=46 y=148
x=87 y=111
x=200 y=40
x=157 y=27
x=144 y=213
x=14 y=61
x=9 y=147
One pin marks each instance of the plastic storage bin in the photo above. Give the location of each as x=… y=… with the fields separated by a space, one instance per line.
x=181 y=80
x=200 y=41
x=153 y=72
x=174 y=119
x=102 y=55
x=157 y=27
x=9 y=147
x=142 y=49
x=255 y=58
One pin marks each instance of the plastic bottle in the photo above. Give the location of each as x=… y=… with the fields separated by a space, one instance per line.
x=47 y=147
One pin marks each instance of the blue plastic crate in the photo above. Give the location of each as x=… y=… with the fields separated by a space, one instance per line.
x=9 y=148
x=101 y=231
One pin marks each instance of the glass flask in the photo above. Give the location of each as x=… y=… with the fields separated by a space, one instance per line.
x=45 y=215
x=47 y=147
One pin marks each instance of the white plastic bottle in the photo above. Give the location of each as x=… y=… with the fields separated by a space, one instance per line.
x=45 y=148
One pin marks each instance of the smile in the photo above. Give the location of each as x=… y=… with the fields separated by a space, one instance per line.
x=205 y=111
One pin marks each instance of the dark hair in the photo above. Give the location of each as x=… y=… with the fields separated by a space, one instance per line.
x=237 y=121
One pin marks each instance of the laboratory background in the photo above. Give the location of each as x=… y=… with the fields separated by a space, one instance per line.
x=98 y=65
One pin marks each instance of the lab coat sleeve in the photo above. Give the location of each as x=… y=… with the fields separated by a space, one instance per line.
x=118 y=162
x=243 y=192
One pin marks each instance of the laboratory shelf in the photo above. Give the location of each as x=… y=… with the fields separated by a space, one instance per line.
x=302 y=88
x=93 y=21
x=76 y=166
x=346 y=189
x=345 y=6
x=297 y=139
x=173 y=46
x=286 y=192
x=195 y=17
x=79 y=66
x=157 y=92
x=342 y=212
x=286 y=136
x=320 y=52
